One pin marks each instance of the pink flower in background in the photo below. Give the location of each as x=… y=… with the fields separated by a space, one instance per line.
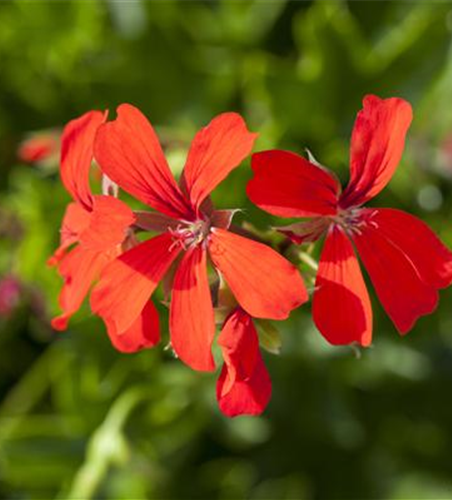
x=10 y=292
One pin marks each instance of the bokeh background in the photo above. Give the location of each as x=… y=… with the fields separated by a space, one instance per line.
x=77 y=419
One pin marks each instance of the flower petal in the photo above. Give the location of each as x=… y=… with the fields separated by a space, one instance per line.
x=127 y=283
x=142 y=334
x=216 y=149
x=244 y=386
x=377 y=145
x=77 y=154
x=265 y=284
x=288 y=185
x=341 y=306
x=432 y=260
x=108 y=225
x=79 y=269
x=192 y=322
x=129 y=153
x=76 y=220
x=402 y=292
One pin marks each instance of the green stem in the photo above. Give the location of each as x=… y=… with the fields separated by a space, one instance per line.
x=106 y=447
x=309 y=261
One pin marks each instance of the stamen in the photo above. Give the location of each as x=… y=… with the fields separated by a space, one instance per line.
x=190 y=234
x=352 y=220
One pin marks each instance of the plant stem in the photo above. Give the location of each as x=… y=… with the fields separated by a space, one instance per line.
x=106 y=447
x=309 y=261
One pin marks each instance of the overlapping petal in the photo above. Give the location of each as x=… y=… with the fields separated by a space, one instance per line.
x=399 y=286
x=109 y=220
x=77 y=154
x=265 y=284
x=341 y=307
x=128 y=282
x=377 y=145
x=192 y=322
x=143 y=333
x=129 y=152
x=216 y=149
x=288 y=185
x=244 y=386
x=76 y=220
x=79 y=268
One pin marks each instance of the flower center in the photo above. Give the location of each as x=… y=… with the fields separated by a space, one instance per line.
x=351 y=220
x=190 y=234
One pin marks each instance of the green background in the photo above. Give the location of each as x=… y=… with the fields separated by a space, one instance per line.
x=77 y=419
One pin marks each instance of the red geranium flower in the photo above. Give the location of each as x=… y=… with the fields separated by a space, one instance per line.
x=264 y=283
x=96 y=224
x=244 y=386
x=38 y=147
x=406 y=262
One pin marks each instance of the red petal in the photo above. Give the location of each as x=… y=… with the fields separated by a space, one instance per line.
x=265 y=284
x=108 y=226
x=142 y=334
x=288 y=185
x=128 y=282
x=129 y=153
x=77 y=154
x=192 y=322
x=76 y=219
x=244 y=386
x=377 y=145
x=216 y=149
x=432 y=260
x=79 y=269
x=341 y=307
x=399 y=287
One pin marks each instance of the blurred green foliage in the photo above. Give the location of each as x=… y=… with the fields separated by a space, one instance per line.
x=77 y=419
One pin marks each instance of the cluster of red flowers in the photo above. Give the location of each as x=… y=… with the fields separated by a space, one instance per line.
x=406 y=262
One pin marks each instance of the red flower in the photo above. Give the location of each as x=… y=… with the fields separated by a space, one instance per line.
x=406 y=262
x=263 y=282
x=244 y=386
x=38 y=147
x=97 y=225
